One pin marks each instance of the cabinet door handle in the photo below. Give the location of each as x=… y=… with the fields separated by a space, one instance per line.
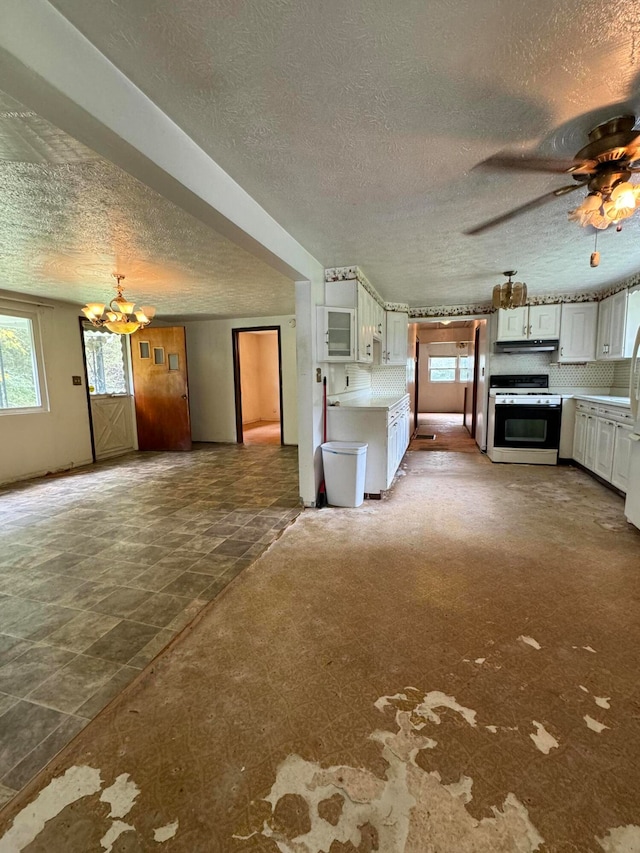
x=561 y=350
x=530 y=327
x=524 y=330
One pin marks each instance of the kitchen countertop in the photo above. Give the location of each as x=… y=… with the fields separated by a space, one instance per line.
x=604 y=399
x=382 y=404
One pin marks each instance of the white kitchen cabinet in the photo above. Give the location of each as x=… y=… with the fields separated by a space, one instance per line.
x=369 y=315
x=513 y=324
x=618 y=321
x=602 y=442
x=580 y=437
x=365 y=325
x=378 y=320
x=394 y=345
x=578 y=331
x=336 y=334
x=621 y=457
x=385 y=429
x=544 y=322
x=591 y=442
x=534 y=322
x=605 y=441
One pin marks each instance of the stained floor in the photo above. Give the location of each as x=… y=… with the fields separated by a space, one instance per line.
x=99 y=569
x=449 y=431
x=452 y=669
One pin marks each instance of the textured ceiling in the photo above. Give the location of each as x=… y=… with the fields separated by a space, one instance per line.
x=68 y=219
x=356 y=124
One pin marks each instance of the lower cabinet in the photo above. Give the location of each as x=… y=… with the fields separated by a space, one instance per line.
x=601 y=441
x=386 y=432
x=621 y=457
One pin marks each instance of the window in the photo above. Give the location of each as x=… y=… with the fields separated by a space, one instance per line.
x=464 y=368
x=105 y=362
x=451 y=368
x=20 y=376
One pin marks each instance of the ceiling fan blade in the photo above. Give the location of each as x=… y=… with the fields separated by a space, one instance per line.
x=537 y=164
x=530 y=205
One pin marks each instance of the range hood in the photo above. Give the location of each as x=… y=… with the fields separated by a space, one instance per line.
x=526 y=346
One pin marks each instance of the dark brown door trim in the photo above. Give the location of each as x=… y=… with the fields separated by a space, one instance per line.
x=81 y=323
x=235 y=339
x=476 y=368
x=417 y=388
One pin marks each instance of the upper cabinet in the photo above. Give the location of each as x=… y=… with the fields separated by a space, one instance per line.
x=336 y=334
x=578 y=326
x=394 y=345
x=529 y=323
x=618 y=321
x=351 y=294
x=371 y=322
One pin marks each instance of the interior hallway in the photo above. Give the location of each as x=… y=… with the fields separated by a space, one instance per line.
x=449 y=431
x=451 y=669
x=101 y=567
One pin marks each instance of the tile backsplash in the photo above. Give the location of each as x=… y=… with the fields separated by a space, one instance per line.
x=388 y=381
x=596 y=374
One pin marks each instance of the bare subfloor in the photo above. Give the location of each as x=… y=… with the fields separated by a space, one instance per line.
x=450 y=670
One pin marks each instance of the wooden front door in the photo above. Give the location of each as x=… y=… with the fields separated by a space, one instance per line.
x=159 y=360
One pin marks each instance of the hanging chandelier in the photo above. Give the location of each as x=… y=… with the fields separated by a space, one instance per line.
x=510 y=294
x=120 y=317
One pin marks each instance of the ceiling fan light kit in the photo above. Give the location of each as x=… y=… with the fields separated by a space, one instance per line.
x=120 y=317
x=510 y=294
x=604 y=167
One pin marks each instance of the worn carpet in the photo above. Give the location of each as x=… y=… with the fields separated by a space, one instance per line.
x=450 y=670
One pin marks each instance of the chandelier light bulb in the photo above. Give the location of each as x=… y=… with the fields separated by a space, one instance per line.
x=601 y=210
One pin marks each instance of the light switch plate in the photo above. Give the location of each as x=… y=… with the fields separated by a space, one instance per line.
x=77 y=380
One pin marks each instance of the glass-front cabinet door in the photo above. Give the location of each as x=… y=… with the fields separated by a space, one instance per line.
x=336 y=334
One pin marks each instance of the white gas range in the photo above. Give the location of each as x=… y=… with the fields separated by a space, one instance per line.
x=524 y=420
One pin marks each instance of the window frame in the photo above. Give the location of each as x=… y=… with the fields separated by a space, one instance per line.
x=457 y=369
x=9 y=310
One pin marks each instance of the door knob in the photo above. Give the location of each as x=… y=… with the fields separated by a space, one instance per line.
x=184 y=396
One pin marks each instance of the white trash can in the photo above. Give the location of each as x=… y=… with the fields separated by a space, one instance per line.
x=345 y=463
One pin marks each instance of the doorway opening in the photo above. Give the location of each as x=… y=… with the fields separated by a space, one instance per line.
x=257 y=361
x=109 y=392
x=449 y=374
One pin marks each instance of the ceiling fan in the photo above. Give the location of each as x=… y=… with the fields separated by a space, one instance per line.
x=603 y=167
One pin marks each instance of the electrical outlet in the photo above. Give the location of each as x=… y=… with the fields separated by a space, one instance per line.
x=77 y=380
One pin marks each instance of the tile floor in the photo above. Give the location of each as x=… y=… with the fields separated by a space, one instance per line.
x=101 y=567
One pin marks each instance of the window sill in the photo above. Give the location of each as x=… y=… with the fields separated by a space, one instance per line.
x=34 y=410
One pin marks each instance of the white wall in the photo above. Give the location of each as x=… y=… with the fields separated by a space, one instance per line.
x=211 y=388
x=439 y=396
x=34 y=444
